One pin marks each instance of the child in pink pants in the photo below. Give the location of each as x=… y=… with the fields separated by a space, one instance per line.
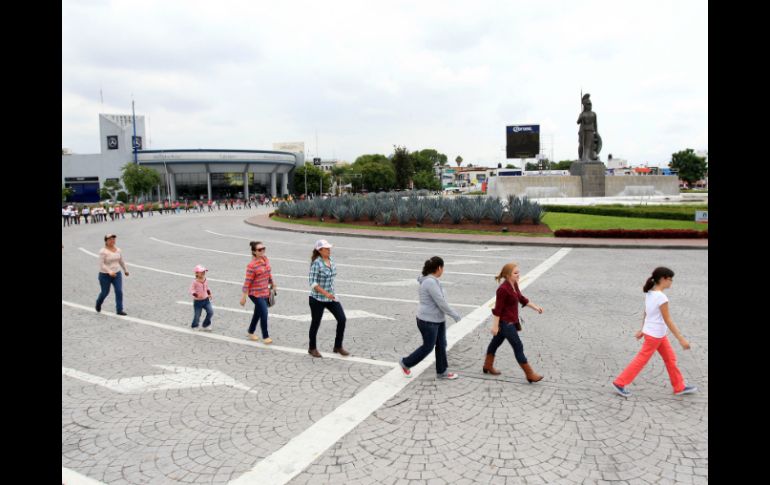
x=657 y=320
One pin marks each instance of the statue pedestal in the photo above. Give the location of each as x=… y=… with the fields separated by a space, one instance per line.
x=592 y=177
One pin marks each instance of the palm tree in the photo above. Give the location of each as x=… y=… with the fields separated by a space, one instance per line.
x=459 y=160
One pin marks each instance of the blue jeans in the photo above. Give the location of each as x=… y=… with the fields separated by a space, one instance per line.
x=508 y=332
x=104 y=281
x=433 y=335
x=260 y=315
x=316 y=313
x=198 y=307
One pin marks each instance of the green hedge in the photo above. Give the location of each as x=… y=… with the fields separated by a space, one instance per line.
x=677 y=213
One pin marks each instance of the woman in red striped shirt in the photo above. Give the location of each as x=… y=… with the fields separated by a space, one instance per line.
x=256 y=286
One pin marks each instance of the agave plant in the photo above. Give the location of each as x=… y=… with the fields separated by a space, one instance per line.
x=356 y=209
x=495 y=210
x=403 y=214
x=386 y=217
x=372 y=208
x=437 y=214
x=420 y=211
x=476 y=209
x=536 y=212
x=515 y=209
x=456 y=211
x=341 y=212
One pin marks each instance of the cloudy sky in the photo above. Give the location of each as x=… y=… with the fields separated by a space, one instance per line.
x=365 y=76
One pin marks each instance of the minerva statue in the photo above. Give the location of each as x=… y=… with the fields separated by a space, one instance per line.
x=590 y=143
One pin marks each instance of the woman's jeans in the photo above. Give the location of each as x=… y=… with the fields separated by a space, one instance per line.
x=198 y=307
x=316 y=312
x=433 y=335
x=104 y=281
x=508 y=332
x=260 y=315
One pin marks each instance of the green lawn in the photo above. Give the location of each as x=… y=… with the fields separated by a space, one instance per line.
x=563 y=220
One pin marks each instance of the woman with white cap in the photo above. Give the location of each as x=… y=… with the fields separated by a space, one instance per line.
x=321 y=278
x=110 y=262
x=199 y=289
x=256 y=286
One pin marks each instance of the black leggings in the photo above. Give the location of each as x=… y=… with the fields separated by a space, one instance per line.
x=317 y=310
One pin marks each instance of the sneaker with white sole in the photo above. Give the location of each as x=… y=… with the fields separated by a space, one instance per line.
x=267 y=340
x=621 y=390
x=447 y=375
x=686 y=390
x=206 y=329
x=253 y=337
x=407 y=372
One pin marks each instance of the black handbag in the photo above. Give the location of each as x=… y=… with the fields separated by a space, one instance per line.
x=518 y=324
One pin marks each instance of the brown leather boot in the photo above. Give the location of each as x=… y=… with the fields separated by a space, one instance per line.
x=489 y=362
x=532 y=376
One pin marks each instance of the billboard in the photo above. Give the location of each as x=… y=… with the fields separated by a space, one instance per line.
x=522 y=141
x=294 y=147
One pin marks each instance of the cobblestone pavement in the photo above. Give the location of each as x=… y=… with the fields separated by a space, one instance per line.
x=569 y=428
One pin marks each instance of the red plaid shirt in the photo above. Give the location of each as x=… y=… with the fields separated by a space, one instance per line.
x=258 y=276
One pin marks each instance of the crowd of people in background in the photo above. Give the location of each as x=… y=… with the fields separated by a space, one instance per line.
x=104 y=212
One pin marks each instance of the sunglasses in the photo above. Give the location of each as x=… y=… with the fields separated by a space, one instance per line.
x=261 y=249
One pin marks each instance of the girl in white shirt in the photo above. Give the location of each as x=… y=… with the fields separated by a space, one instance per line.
x=655 y=324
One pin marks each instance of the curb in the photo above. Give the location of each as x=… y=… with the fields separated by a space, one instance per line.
x=264 y=222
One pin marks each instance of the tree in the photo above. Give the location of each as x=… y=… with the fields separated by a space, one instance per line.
x=691 y=167
x=531 y=167
x=110 y=189
x=314 y=177
x=510 y=165
x=459 y=160
x=428 y=158
x=66 y=192
x=378 y=176
x=403 y=165
x=138 y=179
x=563 y=165
x=375 y=158
x=426 y=180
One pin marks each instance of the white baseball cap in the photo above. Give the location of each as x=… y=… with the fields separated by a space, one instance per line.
x=322 y=243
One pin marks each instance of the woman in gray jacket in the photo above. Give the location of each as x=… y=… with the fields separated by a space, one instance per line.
x=431 y=320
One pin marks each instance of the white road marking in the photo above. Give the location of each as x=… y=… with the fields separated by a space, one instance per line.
x=302 y=450
x=223 y=338
x=179 y=378
x=327 y=317
x=71 y=477
x=306 y=291
x=306 y=262
x=421 y=253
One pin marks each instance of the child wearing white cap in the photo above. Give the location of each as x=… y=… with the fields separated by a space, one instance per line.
x=199 y=289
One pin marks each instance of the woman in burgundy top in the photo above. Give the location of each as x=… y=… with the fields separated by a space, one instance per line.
x=505 y=321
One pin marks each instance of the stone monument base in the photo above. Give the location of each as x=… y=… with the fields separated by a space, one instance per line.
x=591 y=176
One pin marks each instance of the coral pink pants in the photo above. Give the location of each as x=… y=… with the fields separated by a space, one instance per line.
x=651 y=344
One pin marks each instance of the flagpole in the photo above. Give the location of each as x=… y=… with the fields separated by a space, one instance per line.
x=133 y=113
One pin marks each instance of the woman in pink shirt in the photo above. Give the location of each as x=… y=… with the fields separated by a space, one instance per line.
x=110 y=262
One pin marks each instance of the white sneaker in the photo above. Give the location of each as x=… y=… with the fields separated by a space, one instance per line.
x=447 y=375
x=207 y=329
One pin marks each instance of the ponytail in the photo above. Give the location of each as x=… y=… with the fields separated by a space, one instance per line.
x=316 y=254
x=432 y=265
x=506 y=271
x=659 y=273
